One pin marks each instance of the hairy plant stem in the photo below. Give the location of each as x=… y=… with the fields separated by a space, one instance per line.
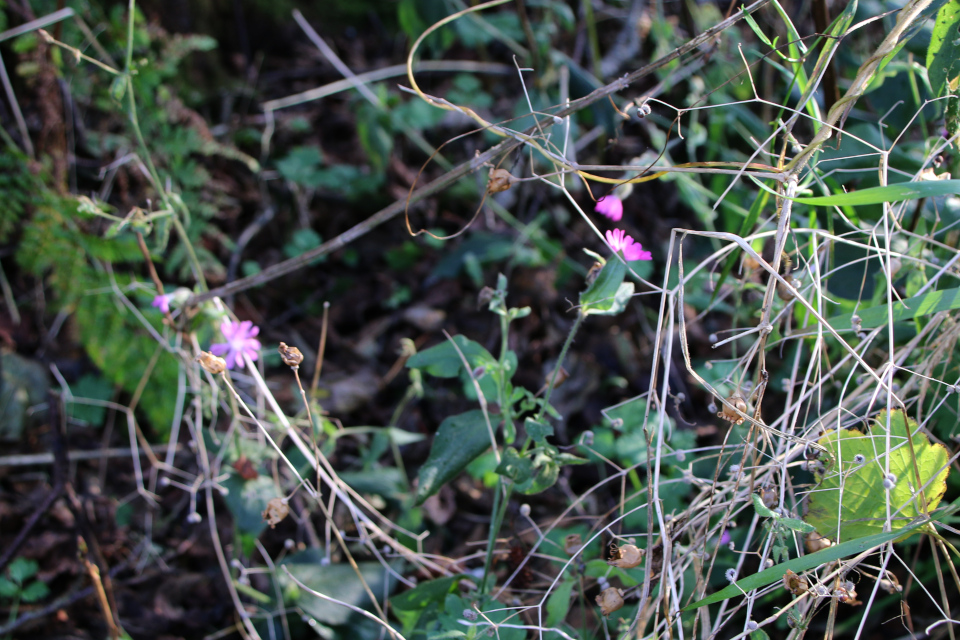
x=556 y=371
x=148 y=161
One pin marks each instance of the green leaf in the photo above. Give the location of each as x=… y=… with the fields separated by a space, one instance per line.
x=93 y=387
x=879 y=195
x=612 y=306
x=514 y=466
x=21 y=570
x=301 y=164
x=803 y=563
x=558 y=604
x=410 y=605
x=538 y=431
x=247 y=499
x=8 y=589
x=797 y=525
x=910 y=308
x=943 y=54
x=602 y=290
x=338 y=581
x=761 y=508
x=545 y=473
x=35 y=591
x=459 y=440
x=443 y=361
x=851 y=500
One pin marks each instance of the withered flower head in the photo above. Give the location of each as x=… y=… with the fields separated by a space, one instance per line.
x=572 y=544
x=211 y=364
x=729 y=414
x=795 y=584
x=610 y=600
x=291 y=356
x=275 y=512
x=500 y=180
x=626 y=557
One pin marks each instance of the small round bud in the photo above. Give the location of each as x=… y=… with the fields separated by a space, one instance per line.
x=681 y=456
x=469 y=614
x=859 y=459
x=889 y=482
x=525 y=510
x=557 y=120
x=194 y=518
x=164 y=481
x=731 y=575
x=586 y=438
x=291 y=356
x=734 y=469
x=768 y=563
x=712 y=407
x=289 y=544
x=752 y=625
x=211 y=364
x=712 y=337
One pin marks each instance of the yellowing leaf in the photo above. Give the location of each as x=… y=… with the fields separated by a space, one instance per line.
x=851 y=498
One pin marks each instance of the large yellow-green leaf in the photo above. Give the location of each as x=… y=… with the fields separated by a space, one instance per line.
x=850 y=500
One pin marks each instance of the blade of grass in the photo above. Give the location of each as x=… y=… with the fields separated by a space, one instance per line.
x=803 y=563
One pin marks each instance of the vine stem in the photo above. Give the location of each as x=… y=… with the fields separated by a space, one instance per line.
x=563 y=355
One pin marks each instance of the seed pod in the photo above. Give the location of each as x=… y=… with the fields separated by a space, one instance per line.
x=814 y=542
x=847 y=596
x=610 y=600
x=500 y=180
x=729 y=414
x=211 y=364
x=769 y=496
x=275 y=512
x=643 y=109
x=291 y=356
x=572 y=544
x=797 y=585
x=593 y=273
x=626 y=557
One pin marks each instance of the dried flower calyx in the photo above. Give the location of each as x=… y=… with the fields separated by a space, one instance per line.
x=729 y=414
x=795 y=584
x=626 y=557
x=211 y=364
x=500 y=180
x=291 y=356
x=275 y=512
x=610 y=600
x=573 y=544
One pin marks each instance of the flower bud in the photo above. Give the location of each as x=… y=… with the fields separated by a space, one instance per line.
x=729 y=414
x=291 y=356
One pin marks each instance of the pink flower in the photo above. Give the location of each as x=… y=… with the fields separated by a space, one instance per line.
x=620 y=242
x=162 y=302
x=240 y=342
x=610 y=206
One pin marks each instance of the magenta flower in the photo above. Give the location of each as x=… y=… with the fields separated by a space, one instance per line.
x=163 y=302
x=620 y=242
x=610 y=206
x=240 y=342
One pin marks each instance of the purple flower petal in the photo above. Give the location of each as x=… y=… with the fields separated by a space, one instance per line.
x=162 y=302
x=240 y=342
x=610 y=206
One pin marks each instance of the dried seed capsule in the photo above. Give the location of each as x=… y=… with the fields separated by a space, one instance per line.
x=572 y=544
x=729 y=414
x=795 y=584
x=769 y=496
x=814 y=542
x=291 y=356
x=610 y=600
x=626 y=557
x=500 y=180
x=275 y=512
x=211 y=364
